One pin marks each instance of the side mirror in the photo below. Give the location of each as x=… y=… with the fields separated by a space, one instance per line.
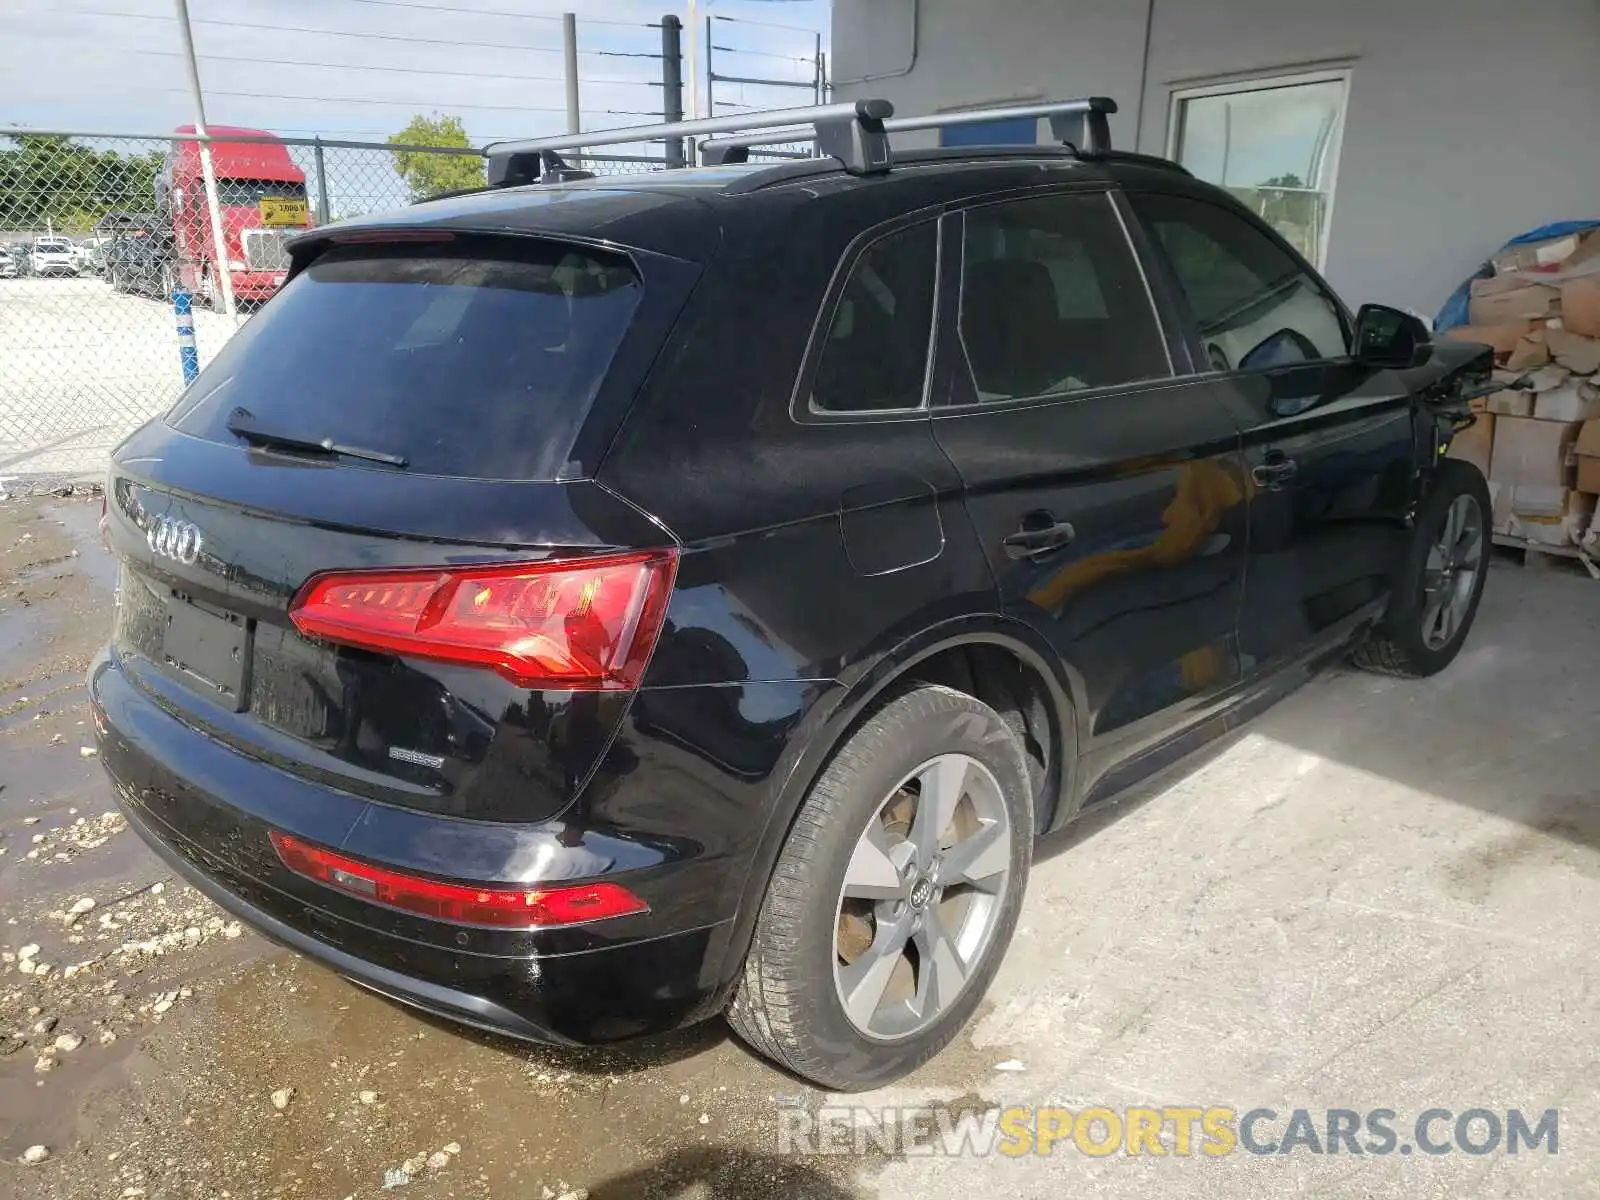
x=1283 y=348
x=1387 y=337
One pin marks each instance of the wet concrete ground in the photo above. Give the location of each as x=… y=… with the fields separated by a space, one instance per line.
x=1382 y=894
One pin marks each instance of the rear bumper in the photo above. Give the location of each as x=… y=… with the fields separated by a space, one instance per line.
x=206 y=810
x=432 y=997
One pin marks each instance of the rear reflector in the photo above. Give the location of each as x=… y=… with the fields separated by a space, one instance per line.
x=582 y=624
x=493 y=907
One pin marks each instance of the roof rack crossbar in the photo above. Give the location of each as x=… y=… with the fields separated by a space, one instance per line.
x=1079 y=123
x=852 y=131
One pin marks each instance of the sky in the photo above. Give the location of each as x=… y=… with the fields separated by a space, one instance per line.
x=360 y=68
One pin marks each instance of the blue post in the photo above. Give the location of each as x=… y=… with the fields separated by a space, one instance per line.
x=187 y=354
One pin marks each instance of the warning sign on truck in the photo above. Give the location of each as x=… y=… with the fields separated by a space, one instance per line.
x=283 y=210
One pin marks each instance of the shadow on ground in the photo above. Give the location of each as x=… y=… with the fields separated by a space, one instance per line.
x=720 y=1173
x=621 y=1059
x=1507 y=729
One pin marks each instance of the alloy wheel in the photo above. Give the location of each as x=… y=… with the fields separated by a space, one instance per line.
x=1450 y=576
x=922 y=897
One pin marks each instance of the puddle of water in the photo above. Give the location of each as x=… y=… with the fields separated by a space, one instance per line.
x=36 y=777
x=690 y=1115
x=82 y=522
x=27 y=703
x=22 y=631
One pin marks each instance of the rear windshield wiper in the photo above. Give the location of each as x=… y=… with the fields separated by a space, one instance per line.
x=242 y=422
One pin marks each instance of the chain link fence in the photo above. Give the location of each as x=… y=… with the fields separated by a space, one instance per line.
x=96 y=232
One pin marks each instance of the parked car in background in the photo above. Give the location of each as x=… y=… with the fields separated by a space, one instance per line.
x=140 y=262
x=54 y=256
x=90 y=256
x=22 y=256
x=8 y=264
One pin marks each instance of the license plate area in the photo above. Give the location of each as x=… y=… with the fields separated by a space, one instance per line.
x=207 y=648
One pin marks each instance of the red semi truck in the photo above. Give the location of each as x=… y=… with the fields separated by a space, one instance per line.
x=262 y=198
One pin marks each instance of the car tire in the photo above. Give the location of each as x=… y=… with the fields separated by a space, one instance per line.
x=1441 y=579
x=814 y=944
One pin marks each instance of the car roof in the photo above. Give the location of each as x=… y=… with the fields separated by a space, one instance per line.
x=684 y=213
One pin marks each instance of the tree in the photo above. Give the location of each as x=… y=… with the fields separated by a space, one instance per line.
x=52 y=182
x=429 y=174
x=1291 y=180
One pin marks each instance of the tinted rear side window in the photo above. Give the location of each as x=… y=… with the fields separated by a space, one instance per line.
x=875 y=357
x=463 y=364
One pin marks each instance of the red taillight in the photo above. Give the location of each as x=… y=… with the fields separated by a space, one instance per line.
x=499 y=908
x=583 y=624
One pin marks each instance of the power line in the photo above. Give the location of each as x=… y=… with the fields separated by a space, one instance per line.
x=430 y=104
x=797 y=58
x=464 y=105
x=762 y=24
x=297 y=62
x=380 y=135
x=457 y=10
x=381 y=37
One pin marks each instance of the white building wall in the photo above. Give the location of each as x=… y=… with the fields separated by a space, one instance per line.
x=1469 y=121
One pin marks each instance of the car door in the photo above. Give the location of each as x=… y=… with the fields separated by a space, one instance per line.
x=1329 y=442
x=1104 y=481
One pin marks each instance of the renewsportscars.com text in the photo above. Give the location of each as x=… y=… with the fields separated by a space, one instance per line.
x=1180 y=1131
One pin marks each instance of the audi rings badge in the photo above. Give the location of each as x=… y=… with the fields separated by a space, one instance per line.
x=175 y=539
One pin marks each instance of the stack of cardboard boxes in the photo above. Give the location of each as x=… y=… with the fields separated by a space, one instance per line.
x=1539 y=442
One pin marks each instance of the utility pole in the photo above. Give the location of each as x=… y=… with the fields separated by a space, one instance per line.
x=569 y=46
x=219 y=239
x=694 y=59
x=672 y=84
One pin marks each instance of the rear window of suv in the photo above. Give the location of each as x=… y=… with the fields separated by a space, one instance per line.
x=465 y=362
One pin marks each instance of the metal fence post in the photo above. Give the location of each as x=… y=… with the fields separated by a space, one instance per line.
x=322 y=182
x=672 y=83
x=188 y=353
x=711 y=76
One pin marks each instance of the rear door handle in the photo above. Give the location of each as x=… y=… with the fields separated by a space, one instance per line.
x=1029 y=542
x=1274 y=471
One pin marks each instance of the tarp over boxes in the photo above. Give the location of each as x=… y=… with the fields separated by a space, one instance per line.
x=1538 y=439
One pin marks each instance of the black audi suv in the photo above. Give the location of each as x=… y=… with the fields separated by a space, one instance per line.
x=583 y=609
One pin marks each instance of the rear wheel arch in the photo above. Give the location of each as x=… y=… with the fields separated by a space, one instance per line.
x=934 y=656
